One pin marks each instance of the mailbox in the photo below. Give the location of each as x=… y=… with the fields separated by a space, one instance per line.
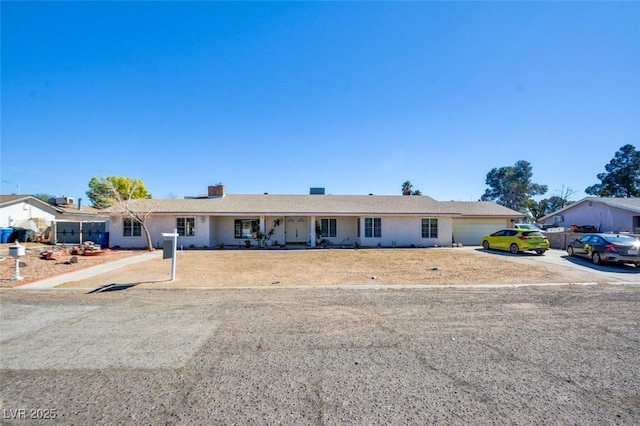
x=169 y=247
x=169 y=244
x=16 y=250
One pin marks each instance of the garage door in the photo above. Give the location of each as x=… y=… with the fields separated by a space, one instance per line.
x=470 y=231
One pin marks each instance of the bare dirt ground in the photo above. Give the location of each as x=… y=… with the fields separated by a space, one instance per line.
x=322 y=355
x=33 y=268
x=531 y=355
x=282 y=268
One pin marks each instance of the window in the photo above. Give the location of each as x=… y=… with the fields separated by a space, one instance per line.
x=246 y=228
x=328 y=227
x=131 y=228
x=429 y=228
x=186 y=226
x=372 y=227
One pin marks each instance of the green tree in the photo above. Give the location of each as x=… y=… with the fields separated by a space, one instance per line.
x=119 y=196
x=407 y=189
x=538 y=209
x=105 y=192
x=512 y=187
x=622 y=178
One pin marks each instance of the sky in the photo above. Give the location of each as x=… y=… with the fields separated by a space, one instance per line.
x=279 y=97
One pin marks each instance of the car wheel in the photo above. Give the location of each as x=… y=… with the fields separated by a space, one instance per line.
x=514 y=248
x=485 y=245
x=595 y=258
x=540 y=252
x=570 y=251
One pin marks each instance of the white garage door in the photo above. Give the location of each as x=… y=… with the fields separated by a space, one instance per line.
x=470 y=231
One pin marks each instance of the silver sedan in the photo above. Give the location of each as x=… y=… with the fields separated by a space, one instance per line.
x=599 y=248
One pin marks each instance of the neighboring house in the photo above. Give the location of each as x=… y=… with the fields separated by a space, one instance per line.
x=65 y=221
x=605 y=214
x=366 y=220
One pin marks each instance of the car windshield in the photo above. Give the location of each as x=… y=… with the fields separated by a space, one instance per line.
x=621 y=239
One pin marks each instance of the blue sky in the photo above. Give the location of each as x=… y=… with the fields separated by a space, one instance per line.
x=278 y=97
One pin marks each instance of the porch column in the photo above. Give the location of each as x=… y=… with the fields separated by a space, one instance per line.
x=313 y=231
x=53 y=237
x=262 y=227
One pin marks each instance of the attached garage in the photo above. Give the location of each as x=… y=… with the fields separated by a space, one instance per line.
x=469 y=231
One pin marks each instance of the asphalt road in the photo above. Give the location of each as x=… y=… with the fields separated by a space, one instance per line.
x=525 y=355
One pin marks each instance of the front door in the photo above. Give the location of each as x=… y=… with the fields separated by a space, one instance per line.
x=296 y=230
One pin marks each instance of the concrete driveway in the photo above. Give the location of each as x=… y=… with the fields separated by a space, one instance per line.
x=610 y=273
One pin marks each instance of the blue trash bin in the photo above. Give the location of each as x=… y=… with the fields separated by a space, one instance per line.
x=5 y=234
x=103 y=239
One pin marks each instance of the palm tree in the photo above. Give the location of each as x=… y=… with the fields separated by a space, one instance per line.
x=406 y=188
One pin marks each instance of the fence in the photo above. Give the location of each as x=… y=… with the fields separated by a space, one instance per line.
x=559 y=240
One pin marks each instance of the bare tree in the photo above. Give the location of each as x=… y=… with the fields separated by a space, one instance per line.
x=130 y=209
x=124 y=205
x=565 y=194
x=538 y=209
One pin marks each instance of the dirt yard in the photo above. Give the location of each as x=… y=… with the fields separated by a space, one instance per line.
x=33 y=267
x=281 y=268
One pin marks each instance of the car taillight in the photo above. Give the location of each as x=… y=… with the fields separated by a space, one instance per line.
x=611 y=248
x=524 y=238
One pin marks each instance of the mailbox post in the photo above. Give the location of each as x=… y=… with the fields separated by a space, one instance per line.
x=17 y=251
x=169 y=248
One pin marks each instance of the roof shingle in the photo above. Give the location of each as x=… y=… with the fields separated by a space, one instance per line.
x=323 y=205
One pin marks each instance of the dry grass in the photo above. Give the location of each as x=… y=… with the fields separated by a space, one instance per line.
x=240 y=268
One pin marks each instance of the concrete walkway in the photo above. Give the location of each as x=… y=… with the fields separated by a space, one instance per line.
x=49 y=283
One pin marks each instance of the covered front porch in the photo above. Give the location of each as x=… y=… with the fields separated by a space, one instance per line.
x=294 y=230
x=327 y=231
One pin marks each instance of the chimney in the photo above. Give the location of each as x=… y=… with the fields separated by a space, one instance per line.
x=216 y=190
x=79 y=203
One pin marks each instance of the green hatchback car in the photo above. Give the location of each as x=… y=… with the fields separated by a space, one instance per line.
x=516 y=241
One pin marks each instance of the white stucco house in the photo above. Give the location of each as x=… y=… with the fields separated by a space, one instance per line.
x=220 y=219
x=605 y=214
x=66 y=220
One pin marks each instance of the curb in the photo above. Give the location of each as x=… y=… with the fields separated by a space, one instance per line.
x=341 y=287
